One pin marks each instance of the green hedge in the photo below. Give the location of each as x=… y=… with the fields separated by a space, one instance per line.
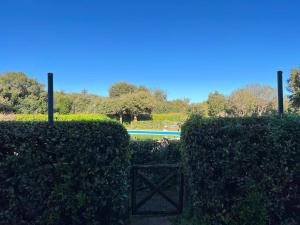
x=175 y=117
x=244 y=171
x=62 y=117
x=68 y=173
x=155 y=152
x=171 y=117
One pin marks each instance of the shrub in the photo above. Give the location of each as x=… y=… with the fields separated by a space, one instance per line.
x=251 y=210
x=186 y=220
x=175 y=117
x=62 y=117
x=66 y=173
x=224 y=156
x=154 y=152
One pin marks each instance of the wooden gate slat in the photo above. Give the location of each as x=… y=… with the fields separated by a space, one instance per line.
x=156 y=188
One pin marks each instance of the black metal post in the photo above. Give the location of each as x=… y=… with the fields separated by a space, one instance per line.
x=50 y=98
x=280 y=92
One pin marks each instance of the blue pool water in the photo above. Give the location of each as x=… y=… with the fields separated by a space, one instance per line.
x=153 y=132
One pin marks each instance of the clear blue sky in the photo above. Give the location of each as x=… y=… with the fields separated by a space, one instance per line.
x=188 y=48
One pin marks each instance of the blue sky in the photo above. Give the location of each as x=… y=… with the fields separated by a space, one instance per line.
x=188 y=48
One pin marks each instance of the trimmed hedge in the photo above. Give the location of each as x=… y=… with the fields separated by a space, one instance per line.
x=66 y=173
x=244 y=170
x=154 y=152
x=62 y=117
x=175 y=117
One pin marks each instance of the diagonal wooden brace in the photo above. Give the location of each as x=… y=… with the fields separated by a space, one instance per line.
x=156 y=189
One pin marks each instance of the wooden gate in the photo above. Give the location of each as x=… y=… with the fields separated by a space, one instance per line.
x=157 y=189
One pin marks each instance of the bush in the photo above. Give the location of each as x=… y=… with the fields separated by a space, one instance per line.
x=175 y=117
x=66 y=173
x=194 y=220
x=252 y=210
x=62 y=117
x=154 y=152
x=226 y=157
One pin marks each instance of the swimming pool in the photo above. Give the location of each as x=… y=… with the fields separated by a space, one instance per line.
x=154 y=132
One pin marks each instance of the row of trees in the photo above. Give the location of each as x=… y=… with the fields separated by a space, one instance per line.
x=250 y=100
x=21 y=94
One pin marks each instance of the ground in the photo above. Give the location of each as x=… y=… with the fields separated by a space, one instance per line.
x=151 y=221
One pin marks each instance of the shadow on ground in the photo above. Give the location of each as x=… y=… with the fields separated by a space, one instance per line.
x=151 y=221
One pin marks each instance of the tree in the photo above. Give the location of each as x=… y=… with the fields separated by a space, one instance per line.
x=265 y=97
x=32 y=105
x=160 y=95
x=161 y=105
x=116 y=107
x=216 y=104
x=252 y=100
x=121 y=88
x=241 y=103
x=178 y=105
x=22 y=93
x=62 y=103
x=294 y=89
x=141 y=102
x=132 y=104
x=199 y=109
x=5 y=105
x=84 y=102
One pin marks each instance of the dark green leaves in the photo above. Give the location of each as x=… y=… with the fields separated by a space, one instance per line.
x=68 y=173
x=228 y=158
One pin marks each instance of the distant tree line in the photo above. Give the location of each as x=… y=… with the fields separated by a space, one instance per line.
x=22 y=94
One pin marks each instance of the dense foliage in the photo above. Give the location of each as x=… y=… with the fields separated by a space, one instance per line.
x=133 y=104
x=154 y=152
x=244 y=171
x=174 y=117
x=130 y=102
x=21 y=94
x=66 y=173
x=294 y=88
x=157 y=122
x=252 y=100
x=198 y=109
x=61 y=117
x=121 y=88
x=216 y=104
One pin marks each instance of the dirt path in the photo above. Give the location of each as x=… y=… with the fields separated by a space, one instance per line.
x=151 y=221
